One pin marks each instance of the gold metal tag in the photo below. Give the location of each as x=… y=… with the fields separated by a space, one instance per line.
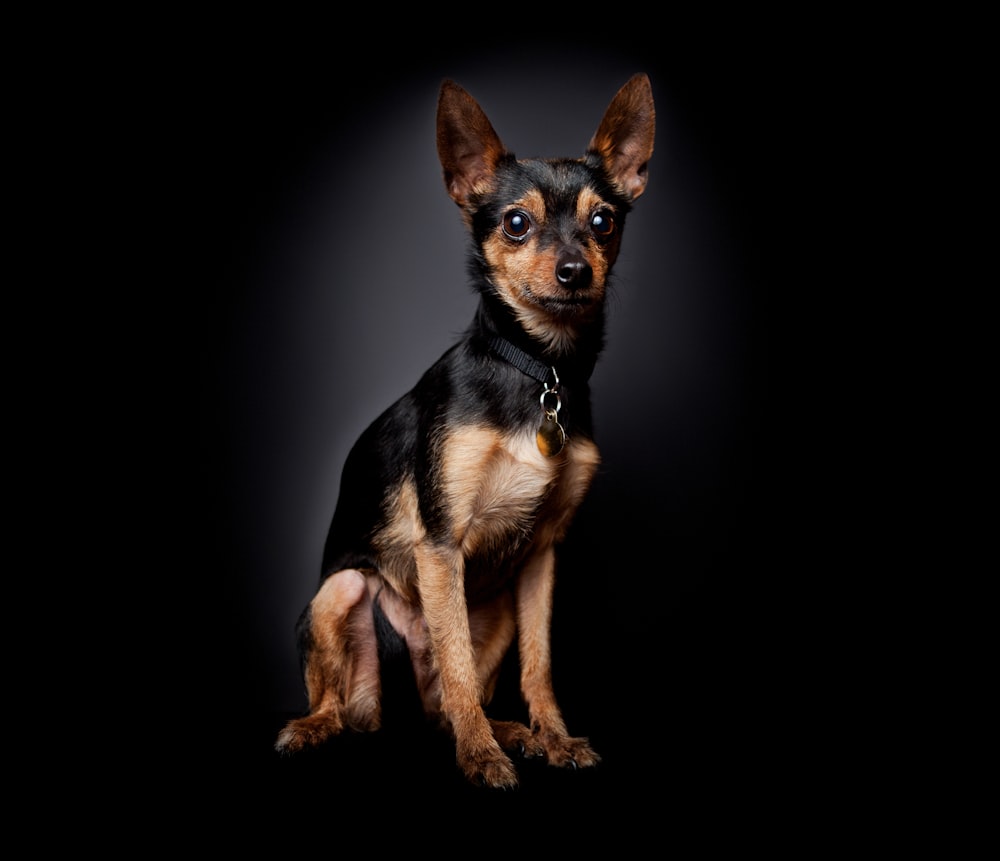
x=550 y=437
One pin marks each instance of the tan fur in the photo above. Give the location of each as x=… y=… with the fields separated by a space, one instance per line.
x=397 y=538
x=342 y=680
x=492 y=484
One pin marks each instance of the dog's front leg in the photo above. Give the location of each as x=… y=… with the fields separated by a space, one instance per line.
x=441 y=578
x=534 y=617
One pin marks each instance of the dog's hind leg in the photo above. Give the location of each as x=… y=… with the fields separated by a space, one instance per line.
x=340 y=656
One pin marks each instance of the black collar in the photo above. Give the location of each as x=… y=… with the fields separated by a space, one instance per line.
x=545 y=374
x=573 y=367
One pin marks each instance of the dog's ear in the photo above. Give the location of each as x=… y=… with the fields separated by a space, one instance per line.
x=468 y=147
x=624 y=139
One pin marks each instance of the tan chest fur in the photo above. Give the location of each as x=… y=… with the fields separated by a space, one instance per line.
x=500 y=488
x=500 y=493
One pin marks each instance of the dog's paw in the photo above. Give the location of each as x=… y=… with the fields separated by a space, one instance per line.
x=490 y=768
x=496 y=774
x=516 y=738
x=565 y=752
x=306 y=732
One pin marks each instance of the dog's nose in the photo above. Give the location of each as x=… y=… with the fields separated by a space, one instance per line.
x=573 y=271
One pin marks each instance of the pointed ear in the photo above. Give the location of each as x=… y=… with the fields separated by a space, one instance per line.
x=624 y=140
x=468 y=147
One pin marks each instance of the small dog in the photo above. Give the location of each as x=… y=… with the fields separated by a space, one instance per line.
x=453 y=501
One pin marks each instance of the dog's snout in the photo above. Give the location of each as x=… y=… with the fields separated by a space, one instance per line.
x=573 y=271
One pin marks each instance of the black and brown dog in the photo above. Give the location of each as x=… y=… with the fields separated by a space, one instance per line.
x=453 y=501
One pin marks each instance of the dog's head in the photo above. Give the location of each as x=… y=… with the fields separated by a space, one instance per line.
x=546 y=231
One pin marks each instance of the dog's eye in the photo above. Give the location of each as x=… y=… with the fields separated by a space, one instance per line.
x=516 y=224
x=602 y=223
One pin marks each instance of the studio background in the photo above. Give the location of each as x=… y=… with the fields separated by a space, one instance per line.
x=336 y=270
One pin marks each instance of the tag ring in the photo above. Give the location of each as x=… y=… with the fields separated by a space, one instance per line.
x=554 y=392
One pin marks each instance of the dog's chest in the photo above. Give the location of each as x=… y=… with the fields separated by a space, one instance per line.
x=502 y=491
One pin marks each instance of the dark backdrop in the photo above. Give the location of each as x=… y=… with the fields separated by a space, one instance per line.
x=334 y=273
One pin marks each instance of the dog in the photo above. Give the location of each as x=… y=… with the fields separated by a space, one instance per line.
x=454 y=500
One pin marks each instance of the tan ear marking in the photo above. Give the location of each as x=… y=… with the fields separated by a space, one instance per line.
x=624 y=139
x=468 y=146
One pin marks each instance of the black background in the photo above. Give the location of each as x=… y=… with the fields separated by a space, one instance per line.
x=333 y=273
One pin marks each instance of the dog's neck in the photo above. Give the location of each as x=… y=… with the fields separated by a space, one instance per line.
x=494 y=321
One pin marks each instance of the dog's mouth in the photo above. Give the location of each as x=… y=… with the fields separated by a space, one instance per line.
x=567 y=307
x=565 y=304
x=556 y=320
